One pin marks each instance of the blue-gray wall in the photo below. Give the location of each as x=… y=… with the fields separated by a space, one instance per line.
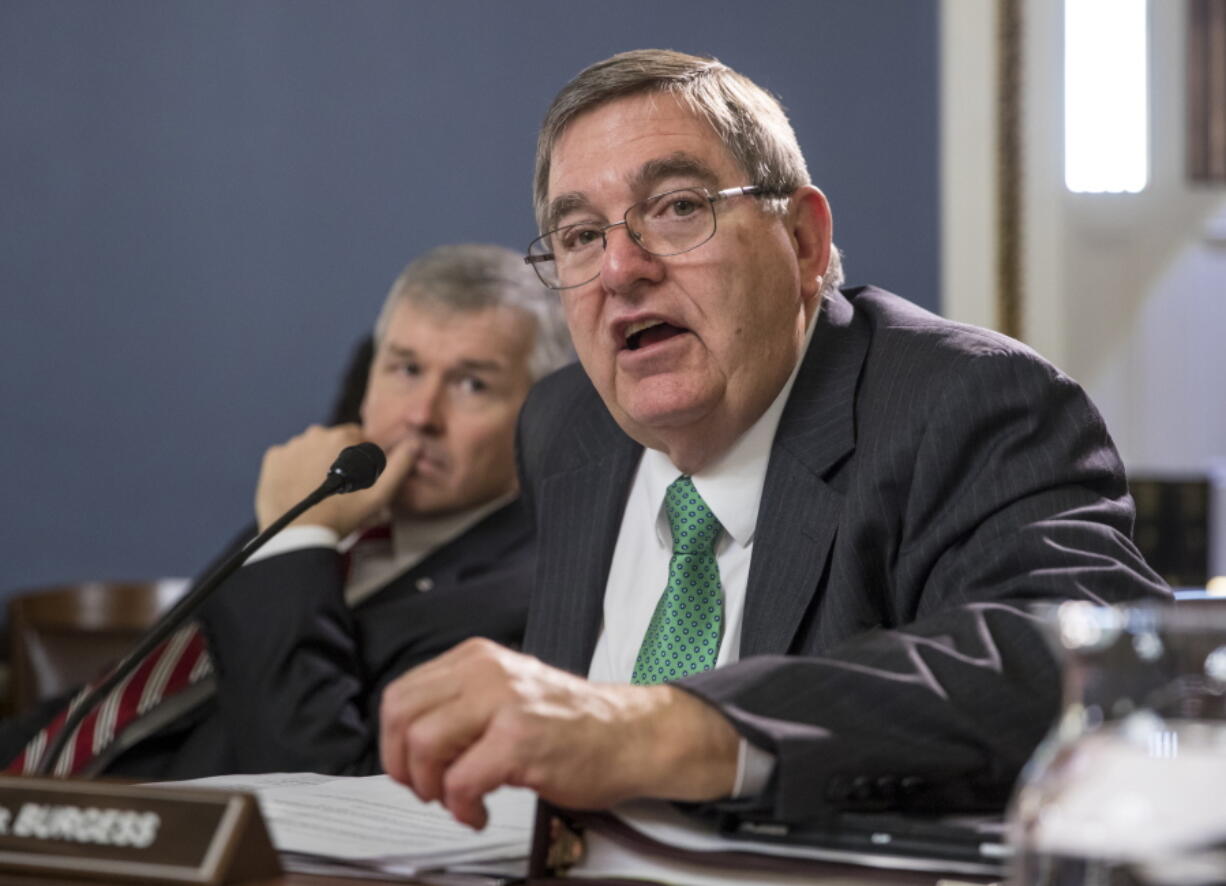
x=203 y=203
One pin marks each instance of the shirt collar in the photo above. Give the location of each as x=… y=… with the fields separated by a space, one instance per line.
x=414 y=538
x=732 y=486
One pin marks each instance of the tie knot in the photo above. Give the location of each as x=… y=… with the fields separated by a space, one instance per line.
x=694 y=526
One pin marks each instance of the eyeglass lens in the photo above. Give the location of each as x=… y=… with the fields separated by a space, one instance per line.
x=666 y=224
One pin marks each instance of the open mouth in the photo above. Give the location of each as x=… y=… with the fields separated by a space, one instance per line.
x=650 y=332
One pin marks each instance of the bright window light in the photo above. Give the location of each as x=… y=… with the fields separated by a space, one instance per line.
x=1106 y=101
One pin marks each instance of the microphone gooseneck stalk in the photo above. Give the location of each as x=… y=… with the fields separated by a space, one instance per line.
x=357 y=467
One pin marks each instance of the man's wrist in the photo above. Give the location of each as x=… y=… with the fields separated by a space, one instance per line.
x=692 y=747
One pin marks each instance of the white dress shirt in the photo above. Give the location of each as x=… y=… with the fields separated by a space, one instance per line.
x=732 y=489
x=412 y=541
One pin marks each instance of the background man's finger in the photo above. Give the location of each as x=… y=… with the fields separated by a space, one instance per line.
x=400 y=457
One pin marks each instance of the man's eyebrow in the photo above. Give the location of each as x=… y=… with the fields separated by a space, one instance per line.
x=465 y=364
x=563 y=205
x=480 y=366
x=678 y=165
x=395 y=350
x=642 y=180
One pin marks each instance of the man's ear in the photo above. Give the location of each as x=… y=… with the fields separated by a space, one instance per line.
x=811 y=228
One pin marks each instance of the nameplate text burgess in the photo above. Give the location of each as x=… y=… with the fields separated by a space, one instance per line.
x=130 y=833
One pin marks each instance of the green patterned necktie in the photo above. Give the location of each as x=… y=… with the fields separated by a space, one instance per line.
x=685 y=630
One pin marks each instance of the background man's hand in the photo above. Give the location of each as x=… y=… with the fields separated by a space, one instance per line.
x=481 y=716
x=291 y=471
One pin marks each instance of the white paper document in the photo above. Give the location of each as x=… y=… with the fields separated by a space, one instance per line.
x=324 y=823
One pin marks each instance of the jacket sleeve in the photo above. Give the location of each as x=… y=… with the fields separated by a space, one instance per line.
x=300 y=673
x=290 y=684
x=1000 y=489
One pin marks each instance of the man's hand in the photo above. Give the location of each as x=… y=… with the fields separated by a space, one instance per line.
x=481 y=716
x=290 y=472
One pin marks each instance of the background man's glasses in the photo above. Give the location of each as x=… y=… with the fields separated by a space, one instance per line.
x=666 y=224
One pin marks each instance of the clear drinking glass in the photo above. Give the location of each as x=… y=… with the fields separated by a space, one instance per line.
x=1130 y=785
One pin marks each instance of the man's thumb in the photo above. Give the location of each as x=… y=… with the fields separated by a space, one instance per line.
x=400 y=458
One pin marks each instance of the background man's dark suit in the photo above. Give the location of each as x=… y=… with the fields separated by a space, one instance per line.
x=299 y=674
x=927 y=480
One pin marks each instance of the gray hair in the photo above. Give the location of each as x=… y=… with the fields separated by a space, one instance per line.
x=475 y=277
x=749 y=121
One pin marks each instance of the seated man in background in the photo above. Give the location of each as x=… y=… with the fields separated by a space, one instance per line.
x=303 y=638
x=808 y=522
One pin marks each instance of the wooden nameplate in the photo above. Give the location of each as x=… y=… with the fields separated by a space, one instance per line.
x=97 y=830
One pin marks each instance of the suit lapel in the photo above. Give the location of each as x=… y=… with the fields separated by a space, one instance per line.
x=399 y=616
x=796 y=524
x=800 y=511
x=584 y=507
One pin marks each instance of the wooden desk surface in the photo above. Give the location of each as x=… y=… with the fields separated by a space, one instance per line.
x=871 y=878
x=319 y=880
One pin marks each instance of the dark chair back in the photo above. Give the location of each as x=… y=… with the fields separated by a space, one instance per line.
x=61 y=637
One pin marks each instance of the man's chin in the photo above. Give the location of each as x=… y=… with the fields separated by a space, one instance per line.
x=418 y=503
x=420 y=499
x=648 y=410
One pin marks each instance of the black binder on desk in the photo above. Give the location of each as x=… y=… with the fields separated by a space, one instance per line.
x=847 y=847
x=970 y=845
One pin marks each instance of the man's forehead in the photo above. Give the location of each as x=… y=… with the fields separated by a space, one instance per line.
x=642 y=179
x=494 y=336
x=640 y=140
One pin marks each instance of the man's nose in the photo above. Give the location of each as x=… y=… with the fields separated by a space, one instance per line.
x=625 y=263
x=425 y=408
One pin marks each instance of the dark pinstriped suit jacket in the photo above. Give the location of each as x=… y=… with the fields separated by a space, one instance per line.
x=927 y=481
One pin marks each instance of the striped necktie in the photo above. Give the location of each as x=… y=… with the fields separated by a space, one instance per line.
x=181 y=661
x=169 y=681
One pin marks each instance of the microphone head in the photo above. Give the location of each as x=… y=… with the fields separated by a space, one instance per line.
x=357 y=467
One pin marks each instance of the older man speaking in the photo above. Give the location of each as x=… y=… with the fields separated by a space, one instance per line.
x=787 y=534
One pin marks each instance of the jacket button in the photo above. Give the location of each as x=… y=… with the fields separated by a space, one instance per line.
x=912 y=784
x=838 y=788
x=861 y=789
x=425 y=583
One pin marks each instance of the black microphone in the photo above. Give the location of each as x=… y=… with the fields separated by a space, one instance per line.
x=357 y=467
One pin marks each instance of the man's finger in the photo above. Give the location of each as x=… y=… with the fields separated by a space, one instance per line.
x=391 y=751
x=405 y=700
x=400 y=458
x=425 y=687
x=438 y=683
x=435 y=740
x=486 y=766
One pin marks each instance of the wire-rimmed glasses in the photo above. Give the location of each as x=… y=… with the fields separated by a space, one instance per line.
x=664 y=224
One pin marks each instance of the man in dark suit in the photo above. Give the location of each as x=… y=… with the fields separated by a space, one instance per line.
x=848 y=502
x=304 y=637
